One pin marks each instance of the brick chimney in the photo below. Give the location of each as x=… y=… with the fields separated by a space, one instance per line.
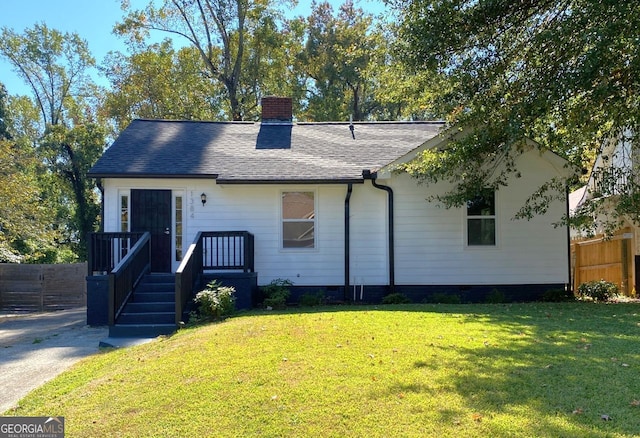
x=277 y=109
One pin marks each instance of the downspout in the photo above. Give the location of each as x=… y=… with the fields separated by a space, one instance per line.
x=392 y=263
x=347 y=235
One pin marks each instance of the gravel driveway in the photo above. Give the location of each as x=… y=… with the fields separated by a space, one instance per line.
x=35 y=348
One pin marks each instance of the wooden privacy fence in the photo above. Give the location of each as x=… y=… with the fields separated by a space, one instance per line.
x=605 y=259
x=39 y=288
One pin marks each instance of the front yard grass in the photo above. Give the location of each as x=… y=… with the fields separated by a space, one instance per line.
x=526 y=370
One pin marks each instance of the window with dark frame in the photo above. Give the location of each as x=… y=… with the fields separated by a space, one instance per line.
x=298 y=220
x=481 y=219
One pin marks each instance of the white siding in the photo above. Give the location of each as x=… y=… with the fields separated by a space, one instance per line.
x=369 y=238
x=255 y=209
x=429 y=241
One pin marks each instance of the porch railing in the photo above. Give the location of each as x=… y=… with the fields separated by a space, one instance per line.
x=106 y=250
x=608 y=181
x=212 y=250
x=124 y=277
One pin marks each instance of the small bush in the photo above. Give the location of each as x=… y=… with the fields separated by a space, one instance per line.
x=276 y=293
x=396 y=298
x=496 y=296
x=598 y=290
x=557 y=295
x=216 y=301
x=444 y=298
x=312 y=299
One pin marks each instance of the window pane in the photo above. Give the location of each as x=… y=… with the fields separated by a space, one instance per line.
x=483 y=205
x=298 y=234
x=178 y=228
x=124 y=213
x=481 y=231
x=298 y=205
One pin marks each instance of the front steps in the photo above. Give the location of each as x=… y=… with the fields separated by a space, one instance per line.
x=151 y=310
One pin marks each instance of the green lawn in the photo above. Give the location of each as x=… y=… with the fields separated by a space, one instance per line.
x=526 y=370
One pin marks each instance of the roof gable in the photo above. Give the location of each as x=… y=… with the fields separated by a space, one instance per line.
x=441 y=140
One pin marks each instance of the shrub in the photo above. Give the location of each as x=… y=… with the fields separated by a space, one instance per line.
x=444 y=298
x=496 y=296
x=598 y=290
x=216 y=301
x=276 y=293
x=557 y=295
x=396 y=298
x=312 y=299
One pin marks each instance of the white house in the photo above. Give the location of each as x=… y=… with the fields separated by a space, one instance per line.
x=327 y=211
x=610 y=248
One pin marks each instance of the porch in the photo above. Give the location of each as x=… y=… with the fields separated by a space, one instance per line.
x=124 y=293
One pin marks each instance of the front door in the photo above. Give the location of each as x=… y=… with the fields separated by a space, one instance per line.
x=151 y=211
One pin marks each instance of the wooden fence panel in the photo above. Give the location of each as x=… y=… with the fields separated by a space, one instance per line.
x=38 y=288
x=601 y=259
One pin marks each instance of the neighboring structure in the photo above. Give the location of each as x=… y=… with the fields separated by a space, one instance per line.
x=602 y=255
x=325 y=209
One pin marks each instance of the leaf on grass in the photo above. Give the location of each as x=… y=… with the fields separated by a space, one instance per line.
x=274 y=397
x=578 y=411
x=476 y=417
x=635 y=402
x=606 y=417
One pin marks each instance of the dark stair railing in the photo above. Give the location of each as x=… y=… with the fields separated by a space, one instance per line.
x=212 y=250
x=106 y=250
x=127 y=274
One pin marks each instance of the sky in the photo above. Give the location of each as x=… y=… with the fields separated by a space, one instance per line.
x=93 y=20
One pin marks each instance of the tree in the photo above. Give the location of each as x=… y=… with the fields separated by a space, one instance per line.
x=70 y=153
x=563 y=72
x=160 y=82
x=55 y=66
x=218 y=29
x=338 y=57
x=28 y=231
x=4 y=130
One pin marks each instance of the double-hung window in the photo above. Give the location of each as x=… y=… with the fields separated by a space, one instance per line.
x=481 y=219
x=298 y=220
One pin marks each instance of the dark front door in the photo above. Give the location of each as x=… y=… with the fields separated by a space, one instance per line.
x=151 y=211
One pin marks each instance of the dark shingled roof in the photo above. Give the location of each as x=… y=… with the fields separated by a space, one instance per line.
x=243 y=152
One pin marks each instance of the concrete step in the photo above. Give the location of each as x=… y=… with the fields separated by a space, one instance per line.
x=153 y=297
x=140 y=330
x=155 y=286
x=146 y=318
x=160 y=278
x=149 y=306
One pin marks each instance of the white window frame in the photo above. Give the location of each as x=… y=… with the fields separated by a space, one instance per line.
x=494 y=216
x=122 y=194
x=175 y=194
x=314 y=220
